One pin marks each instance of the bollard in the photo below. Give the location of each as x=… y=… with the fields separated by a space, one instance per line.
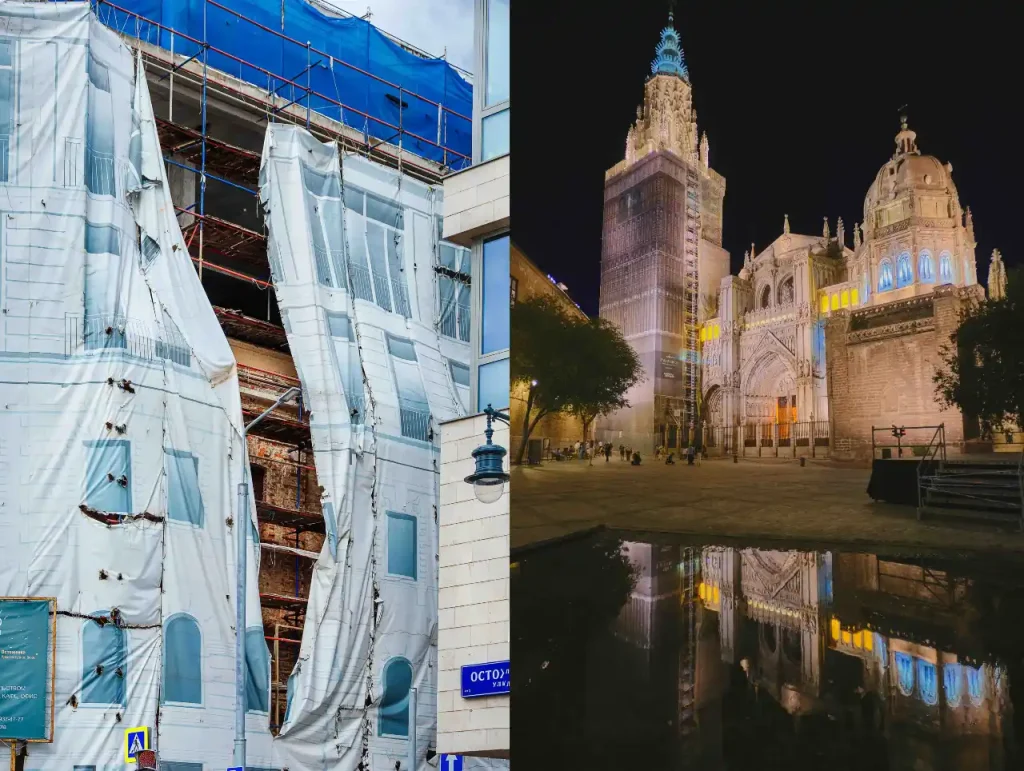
x=803 y=461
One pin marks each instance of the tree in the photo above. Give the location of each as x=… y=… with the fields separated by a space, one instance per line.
x=568 y=363
x=982 y=366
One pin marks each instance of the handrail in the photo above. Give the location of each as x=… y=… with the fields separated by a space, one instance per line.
x=931 y=455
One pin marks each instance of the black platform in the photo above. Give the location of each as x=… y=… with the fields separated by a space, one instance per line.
x=894 y=481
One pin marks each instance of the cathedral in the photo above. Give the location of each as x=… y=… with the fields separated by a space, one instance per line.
x=815 y=341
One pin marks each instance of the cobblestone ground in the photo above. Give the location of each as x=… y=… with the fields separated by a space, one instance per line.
x=756 y=501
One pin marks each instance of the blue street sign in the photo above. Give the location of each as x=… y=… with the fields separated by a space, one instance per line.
x=236 y=768
x=135 y=741
x=451 y=763
x=485 y=679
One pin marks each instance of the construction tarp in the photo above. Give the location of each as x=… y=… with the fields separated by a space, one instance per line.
x=388 y=92
x=120 y=425
x=353 y=252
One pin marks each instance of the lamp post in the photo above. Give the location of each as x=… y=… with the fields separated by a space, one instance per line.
x=489 y=478
x=242 y=539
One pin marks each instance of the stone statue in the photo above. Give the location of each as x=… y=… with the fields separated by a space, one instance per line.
x=856 y=235
x=840 y=233
x=753 y=253
x=996 y=277
x=786 y=293
x=785 y=224
x=825 y=232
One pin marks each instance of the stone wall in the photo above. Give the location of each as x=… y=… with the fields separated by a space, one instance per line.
x=880 y=365
x=473 y=596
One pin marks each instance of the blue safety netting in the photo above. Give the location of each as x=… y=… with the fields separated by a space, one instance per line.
x=389 y=111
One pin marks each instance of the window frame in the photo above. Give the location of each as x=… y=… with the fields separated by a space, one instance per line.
x=477 y=359
x=163 y=675
x=481 y=110
x=398 y=515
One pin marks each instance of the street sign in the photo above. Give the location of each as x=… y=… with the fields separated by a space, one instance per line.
x=488 y=679
x=236 y=768
x=451 y=763
x=135 y=741
x=26 y=631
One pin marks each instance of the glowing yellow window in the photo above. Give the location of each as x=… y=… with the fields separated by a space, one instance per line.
x=835 y=629
x=847 y=638
x=835 y=302
x=715 y=600
x=869 y=640
x=858 y=639
x=717 y=331
x=703 y=592
x=703 y=334
x=824 y=303
x=854 y=299
x=845 y=299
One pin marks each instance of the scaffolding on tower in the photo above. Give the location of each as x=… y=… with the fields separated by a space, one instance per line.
x=691 y=262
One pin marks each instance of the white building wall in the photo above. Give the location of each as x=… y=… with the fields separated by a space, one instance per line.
x=473 y=603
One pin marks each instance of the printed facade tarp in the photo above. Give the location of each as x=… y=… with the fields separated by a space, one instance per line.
x=353 y=257
x=372 y=105
x=120 y=442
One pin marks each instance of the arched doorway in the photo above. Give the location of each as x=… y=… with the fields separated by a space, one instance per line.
x=769 y=390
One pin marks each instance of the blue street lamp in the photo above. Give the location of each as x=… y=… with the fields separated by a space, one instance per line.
x=489 y=478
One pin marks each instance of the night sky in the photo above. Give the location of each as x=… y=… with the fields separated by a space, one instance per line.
x=800 y=102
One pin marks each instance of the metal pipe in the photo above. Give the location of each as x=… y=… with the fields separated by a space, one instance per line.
x=242 y=522
x=411 y=759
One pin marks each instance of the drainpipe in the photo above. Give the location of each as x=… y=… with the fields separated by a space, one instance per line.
x=242 y=523
x=411 y=760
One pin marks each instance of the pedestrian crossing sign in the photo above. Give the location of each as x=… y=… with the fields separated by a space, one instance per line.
x=135 y=741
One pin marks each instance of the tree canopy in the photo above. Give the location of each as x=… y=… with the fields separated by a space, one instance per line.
x=982 y=367
x=569 y=364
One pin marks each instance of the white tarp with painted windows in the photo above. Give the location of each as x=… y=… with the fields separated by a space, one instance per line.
x=120 y=442
x=353 y=252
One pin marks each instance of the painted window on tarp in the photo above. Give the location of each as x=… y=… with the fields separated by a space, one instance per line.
x=179 y=765
x=412 y=397
x=904 y=270
x=359 y=265
x=453 y=292
x=905 y=673
x=925 y=267
x=105 y=326
x=946 y=273
x=104 y=661
x=401 y=545
x=8 y=117
x=184 y=501
x=346 y=364
x=460 y=376
x=331 y=524
x=257 y=671
x=99 y=138
x=885 y=277
x=495 y=290
x=952 y=682
x=183 y=656
x=927 y=682
x=376 y=229
x=394 y=704
x=322 y=193
x=108 y=475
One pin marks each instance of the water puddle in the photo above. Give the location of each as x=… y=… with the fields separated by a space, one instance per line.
x=664 y=654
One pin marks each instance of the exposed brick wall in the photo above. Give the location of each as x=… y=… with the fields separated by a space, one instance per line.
x=880 y=367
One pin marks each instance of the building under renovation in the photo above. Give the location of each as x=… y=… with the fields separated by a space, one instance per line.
x=662 y=254
x=207 y=204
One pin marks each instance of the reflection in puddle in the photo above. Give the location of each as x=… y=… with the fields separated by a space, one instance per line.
x=667 y=656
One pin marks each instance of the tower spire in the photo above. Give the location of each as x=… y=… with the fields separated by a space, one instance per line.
x=668 y=59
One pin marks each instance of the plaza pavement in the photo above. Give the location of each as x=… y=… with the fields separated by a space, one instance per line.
x=756 y=501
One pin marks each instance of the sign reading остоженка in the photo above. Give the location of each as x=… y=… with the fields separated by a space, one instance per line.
x=25 y=666
x=489 y=679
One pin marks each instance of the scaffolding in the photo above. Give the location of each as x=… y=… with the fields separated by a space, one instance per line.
x=691 y=323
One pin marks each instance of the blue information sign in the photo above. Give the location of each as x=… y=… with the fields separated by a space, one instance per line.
x=451 y=763
x=485 y=679
x=24 y=668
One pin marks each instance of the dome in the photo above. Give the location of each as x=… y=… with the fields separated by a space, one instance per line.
x=908 y=171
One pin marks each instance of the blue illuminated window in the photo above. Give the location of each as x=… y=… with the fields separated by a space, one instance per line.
x=401 y=545
x=927 y=682
x=904 y=270
x=394 y=704
x=975 y=684
x=104 y=661
x=946 y=272
x=183 y=655
x=905 y=673
x=257 y=671
x=952 y=680
x=108 y=476
x=496 y=291
x=925 y=267
x=885 y=277
x=184 y=501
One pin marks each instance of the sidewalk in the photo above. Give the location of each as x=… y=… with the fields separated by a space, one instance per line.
x=823 y=503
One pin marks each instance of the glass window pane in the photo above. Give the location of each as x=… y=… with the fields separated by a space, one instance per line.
x=495 y=288
x=497 y=52
x=402 y=545
x=495 y=139
x=493 y=386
